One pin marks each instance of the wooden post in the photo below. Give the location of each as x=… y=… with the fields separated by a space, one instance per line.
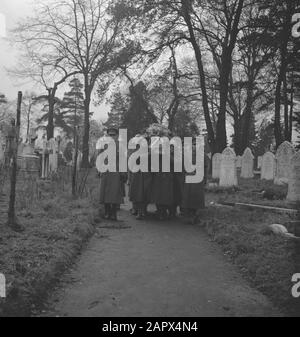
x=74 y=180
x=12 y=221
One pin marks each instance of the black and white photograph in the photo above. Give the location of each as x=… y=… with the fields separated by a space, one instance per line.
x=149 y=162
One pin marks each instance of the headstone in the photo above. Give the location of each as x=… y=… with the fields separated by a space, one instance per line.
x=267 y=166
x=53 y=155
x=294 y=179
x=239 y=161
x=247 y=164
x=11 y=143
x=283 y=158
x=27 y=149
x=216 y=162
x=228 y=176
x=259 y=161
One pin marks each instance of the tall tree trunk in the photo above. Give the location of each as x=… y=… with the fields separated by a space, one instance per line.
x=291 y=110
x=286 y=110
x=221 y=137
x=86 y=133
x=12 y=221
x=225 y=71
x=210 y=131
x=247 y=116
x=282 y=71
x=74 y=174
x=237 y=141
x=174 y=110
x=277 y=124
x=51 y=103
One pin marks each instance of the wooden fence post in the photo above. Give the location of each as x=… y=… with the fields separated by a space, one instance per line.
x=74 y=175
x=12 y=220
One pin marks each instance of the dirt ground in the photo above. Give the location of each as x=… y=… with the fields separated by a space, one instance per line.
x=151 y=268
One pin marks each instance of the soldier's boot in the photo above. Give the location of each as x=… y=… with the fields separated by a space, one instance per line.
x=141 y=214
x=106 y=211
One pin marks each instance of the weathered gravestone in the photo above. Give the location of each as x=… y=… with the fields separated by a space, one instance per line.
x=283 y=158
x=20 y=148
x=294 y=179
x=228 y=176
x=28 y=162
x=247 y=164
x=216 y=162
x=53 y=155
x=267 y=166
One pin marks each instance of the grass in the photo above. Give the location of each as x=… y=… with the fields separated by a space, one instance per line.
x=251 y=191
x=56 y=227
x=266 y=260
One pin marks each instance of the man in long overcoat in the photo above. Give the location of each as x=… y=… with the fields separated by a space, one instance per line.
x=112 y=185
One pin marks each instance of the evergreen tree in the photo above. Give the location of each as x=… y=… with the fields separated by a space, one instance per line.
x=119 y=105
x=72 y=107
x=276 y=19
x=139 y=115
x=184 y=124
x=265 y=138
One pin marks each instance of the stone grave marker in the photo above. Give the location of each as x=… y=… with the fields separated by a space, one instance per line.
x=247 y=164
x=228 y=176
x=53 y=155
x=267 y=166
x=283 y=158
x=294 y=179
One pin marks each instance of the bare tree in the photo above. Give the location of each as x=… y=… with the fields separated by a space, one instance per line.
x=82 y=38
x=38 y=63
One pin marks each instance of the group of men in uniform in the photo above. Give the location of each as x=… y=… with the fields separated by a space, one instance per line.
x=167 y=190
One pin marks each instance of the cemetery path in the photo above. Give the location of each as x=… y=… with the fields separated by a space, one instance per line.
x=150 y=268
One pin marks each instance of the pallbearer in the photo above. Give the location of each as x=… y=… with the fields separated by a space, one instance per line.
x=140 y=186
x=162 y=191
x=178 y=180
x=112 y=183
x=193 y=198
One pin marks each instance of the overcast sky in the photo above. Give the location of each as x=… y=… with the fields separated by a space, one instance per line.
x=13 y=11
